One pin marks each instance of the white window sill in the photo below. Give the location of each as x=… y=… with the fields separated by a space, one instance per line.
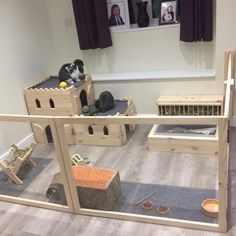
x=135 y=27
x=155 y=75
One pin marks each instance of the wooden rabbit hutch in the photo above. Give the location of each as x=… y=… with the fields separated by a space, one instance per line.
x=47 y=99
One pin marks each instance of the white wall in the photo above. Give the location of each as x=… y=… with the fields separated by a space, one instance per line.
x=27 y=51
x=226 y=38
x=225 y=32
x=149 y=50
x=141 y=50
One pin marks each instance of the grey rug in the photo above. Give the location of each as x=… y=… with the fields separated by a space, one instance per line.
x=184 y=203
x=27 y=174
x=120 y=106
x=54 y=82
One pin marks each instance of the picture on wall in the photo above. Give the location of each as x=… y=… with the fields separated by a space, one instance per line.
x=168 y=12
x=118 y=14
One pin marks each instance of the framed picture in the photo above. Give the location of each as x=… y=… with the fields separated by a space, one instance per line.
x=118 y=14
x=168 y=12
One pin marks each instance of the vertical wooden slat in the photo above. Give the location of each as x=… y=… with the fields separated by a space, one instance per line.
x=223 y=173
x=229 y=88
x=57 y=145
x=226 y=62
x=232 y=88
x=67 y=162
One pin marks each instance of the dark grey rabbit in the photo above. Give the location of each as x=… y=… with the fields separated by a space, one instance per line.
x=72 y=72
x=105 y=102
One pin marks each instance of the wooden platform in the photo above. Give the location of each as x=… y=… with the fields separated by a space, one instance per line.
x=54 y=101
x=102 y=135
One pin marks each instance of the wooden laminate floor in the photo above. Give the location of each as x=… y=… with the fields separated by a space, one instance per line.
x=134 y=163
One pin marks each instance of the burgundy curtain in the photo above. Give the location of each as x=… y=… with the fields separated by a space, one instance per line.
x=92 y=25
x=196 y=20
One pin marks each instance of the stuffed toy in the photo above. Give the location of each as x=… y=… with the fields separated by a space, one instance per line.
x=72 y=72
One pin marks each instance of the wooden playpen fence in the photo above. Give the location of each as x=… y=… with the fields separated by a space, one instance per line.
x=59 y=136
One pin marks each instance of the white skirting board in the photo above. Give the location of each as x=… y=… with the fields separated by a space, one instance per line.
x=23 y=143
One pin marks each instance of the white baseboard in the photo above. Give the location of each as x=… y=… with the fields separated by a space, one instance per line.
x=23 y=143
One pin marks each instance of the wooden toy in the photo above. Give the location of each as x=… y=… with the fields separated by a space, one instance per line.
x=98 y=188
x=16 y=158
x=76 y=159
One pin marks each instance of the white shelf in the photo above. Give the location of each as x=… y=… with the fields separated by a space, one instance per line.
x=135 y=28
x=154 y=75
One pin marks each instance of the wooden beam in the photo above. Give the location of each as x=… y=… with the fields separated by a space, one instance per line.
x=68 y=164
x=184 y=120
x=229 y=83
x=151 y=219
x=61 y=163
x=23 y=118
x=34 y=203
x=223 y=174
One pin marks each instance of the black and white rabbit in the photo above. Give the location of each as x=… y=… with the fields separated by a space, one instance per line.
x=72 y=72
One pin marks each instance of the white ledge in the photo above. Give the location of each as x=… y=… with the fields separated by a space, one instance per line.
x=155 y=75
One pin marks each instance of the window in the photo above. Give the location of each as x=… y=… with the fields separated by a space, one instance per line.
x=105 y=130
x=90 y=130
x=51 y=102
x=37 y=103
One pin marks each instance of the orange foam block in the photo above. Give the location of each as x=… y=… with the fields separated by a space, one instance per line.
x=92 y=177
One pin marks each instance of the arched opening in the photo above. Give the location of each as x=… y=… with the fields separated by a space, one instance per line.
x=105 y=130
x=83 y=98
x=49 y=134
x=37 y=103
x=90 y=130
x=51 y=102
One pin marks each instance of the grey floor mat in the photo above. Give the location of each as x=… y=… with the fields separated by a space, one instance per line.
x=184 y=203
x=28 y=175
